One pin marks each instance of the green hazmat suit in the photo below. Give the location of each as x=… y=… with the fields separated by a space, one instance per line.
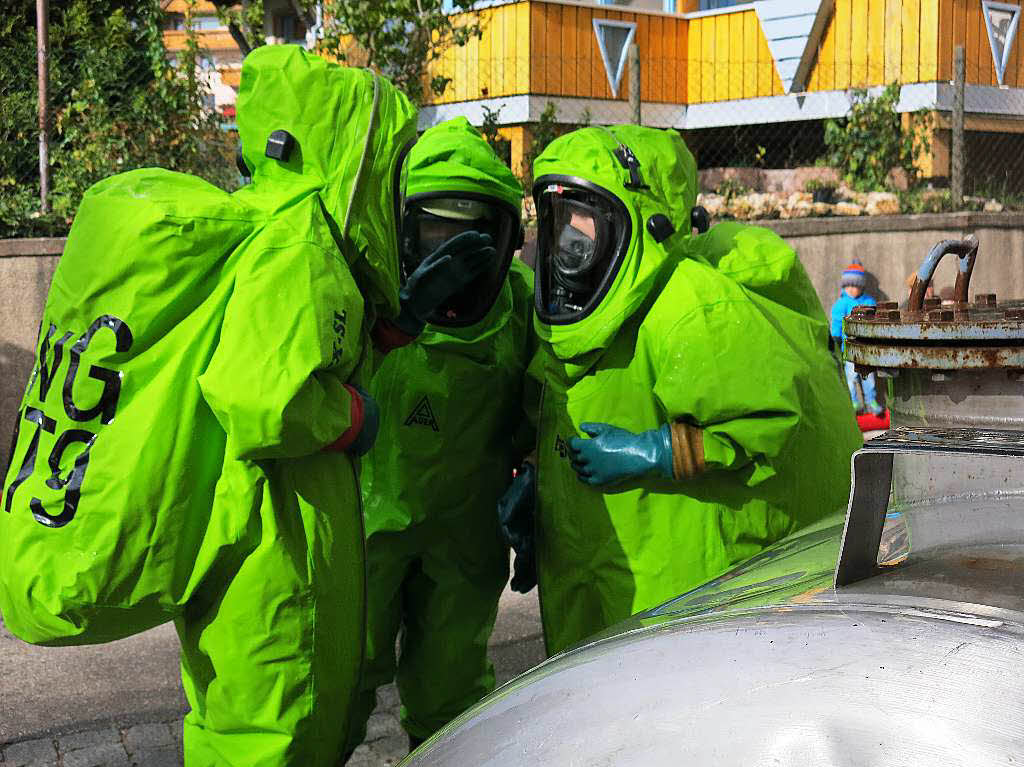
x=722 y=331
x=217 y=334
x=451 y=433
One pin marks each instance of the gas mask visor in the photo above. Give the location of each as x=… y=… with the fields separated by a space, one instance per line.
x=431 y=220
x=583 y=232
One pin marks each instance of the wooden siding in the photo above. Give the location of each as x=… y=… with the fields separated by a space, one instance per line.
x=875 y=42
x=728 y=58
x=960 y=22
x=566 y=60
x=497 y=64
x=549 y=49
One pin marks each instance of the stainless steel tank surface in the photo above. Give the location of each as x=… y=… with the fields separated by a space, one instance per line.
x=891 y=636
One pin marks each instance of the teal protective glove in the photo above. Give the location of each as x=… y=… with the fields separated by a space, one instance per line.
x=614 y=455
x=441 y=275
x=515 y=513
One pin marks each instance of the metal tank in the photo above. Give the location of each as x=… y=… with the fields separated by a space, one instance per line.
x=891 y=634
x=959 y=365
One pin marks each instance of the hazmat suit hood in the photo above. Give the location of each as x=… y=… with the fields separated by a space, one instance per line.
x=351 y=129
x=452 y=169
x=750 y=256
x=652 y=174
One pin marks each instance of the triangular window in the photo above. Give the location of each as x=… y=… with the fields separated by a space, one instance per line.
x=613 y=40
x=1001 y=22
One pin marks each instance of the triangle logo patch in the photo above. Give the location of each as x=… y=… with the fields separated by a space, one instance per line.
x=613 y=41
x=1001 y=21
x=422 y=415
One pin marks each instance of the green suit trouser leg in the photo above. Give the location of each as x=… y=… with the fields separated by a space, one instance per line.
x=272 y=644
x=438 y=583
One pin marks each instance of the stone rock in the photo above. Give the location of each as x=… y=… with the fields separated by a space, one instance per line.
x=899 y=179
x=739 y=208
x=848 y=209
x=846 y=194
x=714 y=204
x=822 y=208
x=713 y=178
x=798 y=197
x=802 y=209
x=762 y=205
x=791 y=180
x=882 y=204
x=993 y=206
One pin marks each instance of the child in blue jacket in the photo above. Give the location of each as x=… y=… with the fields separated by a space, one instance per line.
x=851 y=296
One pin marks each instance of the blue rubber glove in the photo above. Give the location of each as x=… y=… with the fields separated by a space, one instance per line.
x=515 y=513
x=441 y=275
x=371 y=424
x=614 y=455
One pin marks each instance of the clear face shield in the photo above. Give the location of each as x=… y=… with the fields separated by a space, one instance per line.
x=431 y=220
x=579 y=248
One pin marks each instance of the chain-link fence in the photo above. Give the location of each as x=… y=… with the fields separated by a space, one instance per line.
x=131 y=84
x=116 y=99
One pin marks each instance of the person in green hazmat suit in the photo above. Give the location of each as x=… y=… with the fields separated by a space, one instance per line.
x=691 y=414
x=271 y=659
x=206 y=473
x=451 y=433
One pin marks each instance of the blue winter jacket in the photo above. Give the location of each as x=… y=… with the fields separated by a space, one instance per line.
x=843 y=308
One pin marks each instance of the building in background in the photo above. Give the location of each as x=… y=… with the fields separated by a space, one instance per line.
x=741 y=79
x=222 y=58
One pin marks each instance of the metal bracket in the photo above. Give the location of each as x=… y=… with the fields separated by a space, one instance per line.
x=871 y=475
x=869 y=497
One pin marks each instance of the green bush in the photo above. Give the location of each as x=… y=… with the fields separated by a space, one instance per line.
x=116 y=103
x=872 y=140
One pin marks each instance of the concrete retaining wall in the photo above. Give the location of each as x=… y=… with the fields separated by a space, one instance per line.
x=889 y=246
x=26 y=268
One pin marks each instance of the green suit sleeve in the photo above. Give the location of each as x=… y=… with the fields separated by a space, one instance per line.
x=525 y=435
x=727 y=369
x=291 y=337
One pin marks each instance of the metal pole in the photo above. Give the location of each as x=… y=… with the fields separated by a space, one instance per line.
x=957 y=160
x=634 y=83
x=43 y=66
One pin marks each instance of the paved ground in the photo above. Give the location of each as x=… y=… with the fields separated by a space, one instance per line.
x=121 y=704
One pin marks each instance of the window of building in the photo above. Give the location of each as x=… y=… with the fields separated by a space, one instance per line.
x=289 y=27
x=713 y=5
x=201 y=23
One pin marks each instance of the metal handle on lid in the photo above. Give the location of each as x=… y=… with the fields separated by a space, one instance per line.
x=966 y=249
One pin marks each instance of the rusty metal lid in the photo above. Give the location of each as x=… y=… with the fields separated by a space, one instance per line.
x=983 y=334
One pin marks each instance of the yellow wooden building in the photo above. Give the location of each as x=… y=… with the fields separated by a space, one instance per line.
x=766 y=72
x=766 y=64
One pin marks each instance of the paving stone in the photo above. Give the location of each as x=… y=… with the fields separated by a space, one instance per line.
x=165 y=756
x=88 y=739
x=30 y=753
x=177 y=727
x=390 y=750
x=105 y=755
x=362 y=757
x=382 y=724
x=147 y=736
x=387 y=696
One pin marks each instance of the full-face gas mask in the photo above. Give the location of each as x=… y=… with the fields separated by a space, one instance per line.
x=583 y=234
x=430 y=220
